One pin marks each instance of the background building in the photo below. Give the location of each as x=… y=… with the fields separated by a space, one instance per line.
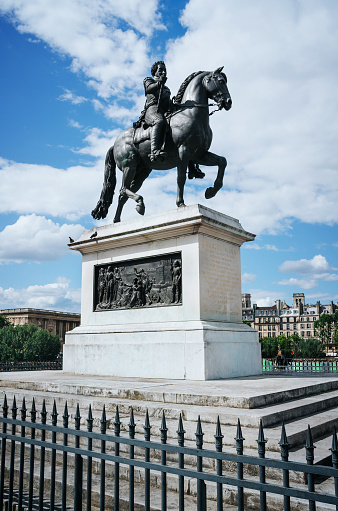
x=55 y=322
x=281 y=318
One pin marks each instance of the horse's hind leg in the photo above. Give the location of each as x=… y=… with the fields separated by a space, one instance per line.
x=211 y=160
x=140 y=175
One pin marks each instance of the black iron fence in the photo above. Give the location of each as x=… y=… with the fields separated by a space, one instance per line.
x=301 y=366
x=42 y=464
x=31 y=366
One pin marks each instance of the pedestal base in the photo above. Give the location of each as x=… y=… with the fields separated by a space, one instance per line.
x=193 y=351
x=130 y=332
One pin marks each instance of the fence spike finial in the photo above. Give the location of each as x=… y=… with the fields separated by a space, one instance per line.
x=23 y=409
x=284 y=444
x=43 y=412
x=132 y=424
x=334 y=440
x=261 y=433
x=33 y=411
x=219 y=437
x=54 y=414
x=180 y=432
x=199 y=434
x=131 y=420
x=239 y=439
x=309 y=447
x=5 y=405
x=163 y=429
x=65 y=416
x=103 y=420
x=147 y=427
x=334 y=448
x=117 y=422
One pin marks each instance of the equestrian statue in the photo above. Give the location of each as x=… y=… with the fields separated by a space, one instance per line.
x=169 y=133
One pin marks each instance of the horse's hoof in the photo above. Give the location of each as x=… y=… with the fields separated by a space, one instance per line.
x=180 y=204
x=210 y=193
x=140 y=208
x=116 y=220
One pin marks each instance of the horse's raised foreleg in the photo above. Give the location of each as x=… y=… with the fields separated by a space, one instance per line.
x=211 y=160
x=129 y=193
x=183 y=159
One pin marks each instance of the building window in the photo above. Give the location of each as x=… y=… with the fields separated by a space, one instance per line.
x=303 y=333
x=260 y=327
x=308 y=333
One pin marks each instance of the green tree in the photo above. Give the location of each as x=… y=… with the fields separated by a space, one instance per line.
x=271 y=345
x=323 y=328
x=309 y=348
x=4 y=322
x=28 y=343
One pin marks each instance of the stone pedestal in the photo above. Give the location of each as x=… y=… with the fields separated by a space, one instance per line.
x=198 y=337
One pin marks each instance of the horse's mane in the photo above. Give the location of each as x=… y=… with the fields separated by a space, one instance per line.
x=181 y=90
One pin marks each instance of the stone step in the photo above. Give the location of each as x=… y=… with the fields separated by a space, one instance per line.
x=254 y=392
x=269 y=415
x=321 y=422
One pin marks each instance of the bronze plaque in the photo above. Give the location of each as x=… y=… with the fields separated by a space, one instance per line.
x=148 y=282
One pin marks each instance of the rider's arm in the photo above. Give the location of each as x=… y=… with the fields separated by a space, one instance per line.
x=151 y=85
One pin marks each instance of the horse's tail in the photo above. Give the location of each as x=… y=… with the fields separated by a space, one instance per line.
x=109 y=183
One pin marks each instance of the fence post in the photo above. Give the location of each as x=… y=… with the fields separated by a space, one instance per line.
x=42 y=454
x=239 y=449
x=65 y=418
x=147 y=428
x=53 y=459
x=201 y=488
x=219 y=447
x=3 y=452
x=284 y=450
x=103 y=463
x=180 y=435
x=164 y=431
x=261 y=454
x=117 y=429
x=89 y=459
x=31 y=459
x=22 y=454
x=309 y=447
x=78 y=466
x=132 y=427
x=334 y=451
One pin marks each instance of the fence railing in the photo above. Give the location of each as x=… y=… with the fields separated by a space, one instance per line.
x=31 y=366
x=31 y=447
x=301 y=366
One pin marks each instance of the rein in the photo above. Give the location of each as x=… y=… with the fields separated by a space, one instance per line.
x=197 y=105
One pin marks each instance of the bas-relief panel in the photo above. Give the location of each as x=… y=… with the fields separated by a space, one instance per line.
x=148 y=282
x=220 y=278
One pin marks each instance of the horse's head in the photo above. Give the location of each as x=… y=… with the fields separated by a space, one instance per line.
x=216 y=86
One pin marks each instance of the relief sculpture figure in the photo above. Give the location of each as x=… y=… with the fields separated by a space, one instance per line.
x=169 y=133
x=177 y=281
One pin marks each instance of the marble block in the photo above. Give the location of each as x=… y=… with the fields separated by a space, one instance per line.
x=201 y=338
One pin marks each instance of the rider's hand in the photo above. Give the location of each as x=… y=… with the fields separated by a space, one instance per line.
x=163 y=79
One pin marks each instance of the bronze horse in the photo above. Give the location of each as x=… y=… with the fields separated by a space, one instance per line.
x=188 y=139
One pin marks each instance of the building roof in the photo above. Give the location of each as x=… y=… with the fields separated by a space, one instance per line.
x=28 y=310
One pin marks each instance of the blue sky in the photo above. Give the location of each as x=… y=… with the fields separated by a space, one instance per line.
x=71 y=80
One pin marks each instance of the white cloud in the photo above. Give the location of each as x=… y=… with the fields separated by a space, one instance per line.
x=317 y=264
x=248 y=277
x=56 y=296
x=255 y=246
x=107 y=41
x=299 y=283
x=36 y=238
x=45 y=190
x=280 y=135
x=72 y=98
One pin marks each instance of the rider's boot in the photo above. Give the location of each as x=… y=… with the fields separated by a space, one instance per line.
x=156 y=141
x=194 y=171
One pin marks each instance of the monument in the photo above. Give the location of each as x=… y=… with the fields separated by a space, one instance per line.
x=161 y=295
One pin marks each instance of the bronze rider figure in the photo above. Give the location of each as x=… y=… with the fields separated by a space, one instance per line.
x=158 y=103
